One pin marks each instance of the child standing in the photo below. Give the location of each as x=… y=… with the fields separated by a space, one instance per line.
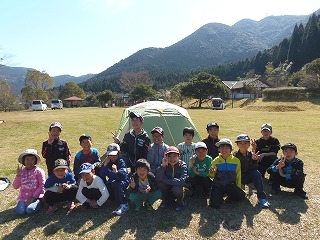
x=288 y=171
x=212 y=139
x=171 y=179
x=55 y=148
x=60 y=186
x=187 y=148
x=88 y=154
x=267 y=147
x=157 y=149
x=199 y=169
x=115 y=174
x=135 y=142
x=249 y=168
x=30 y=180
x=144 y=186
x=226 y=173
x=92 y=191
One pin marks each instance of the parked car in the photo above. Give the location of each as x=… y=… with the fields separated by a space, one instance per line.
x=56 y=104
x=218 y=104
x=38 y=105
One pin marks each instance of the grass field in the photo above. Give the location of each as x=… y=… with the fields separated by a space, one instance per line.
x=289 y=217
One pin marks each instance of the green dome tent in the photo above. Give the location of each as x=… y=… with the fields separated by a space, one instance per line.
x=170 y=117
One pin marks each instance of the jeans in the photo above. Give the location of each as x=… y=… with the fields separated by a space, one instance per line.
x=32 y=208
x=254 y=176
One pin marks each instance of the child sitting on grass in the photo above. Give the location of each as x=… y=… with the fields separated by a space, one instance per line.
x=171 y=179
x=226 y=173
x=30 y=180
x=144 y=186
x=92 y=191
x=288 y=171
x=60 y=186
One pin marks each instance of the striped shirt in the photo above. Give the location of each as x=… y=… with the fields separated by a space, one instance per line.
x=186 y=152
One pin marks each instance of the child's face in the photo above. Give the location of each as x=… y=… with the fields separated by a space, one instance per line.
x=225 y=150
x=55 y=132
x=266 y=134
x=213 y=132
x=142 y=172
x=136 y=123
x=60 y=172
x=87 y=177
x=157 y=138
x=201 y=153
x=173 y=158
x=30 y=161
x=188 y=137
x=86 y=144
x=289 y=153
x=243 y=146
x=113 y=158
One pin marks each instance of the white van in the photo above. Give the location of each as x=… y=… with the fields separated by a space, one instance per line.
x=218 y=104
x=56 y=104
x=38 y=105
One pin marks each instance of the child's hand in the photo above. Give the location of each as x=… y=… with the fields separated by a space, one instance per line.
x=213 y=169
x=50 y=138
x=115 y=137
x=281 y=163
x=93 y=203
x=253 y=145
x=149 y=147
x=114 y=168
x=60 y=189
x=165 y=161
x=19 y=170
x=255 y=156
x=148 y=189
x=196 y=171
x=65 y=186
x=132 y=183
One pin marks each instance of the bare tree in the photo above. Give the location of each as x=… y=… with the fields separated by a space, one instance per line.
x=129 y=80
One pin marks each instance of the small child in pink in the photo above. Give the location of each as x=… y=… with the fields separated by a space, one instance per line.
x=30 y=180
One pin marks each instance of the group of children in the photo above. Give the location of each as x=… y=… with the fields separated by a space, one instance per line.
x=143 y=172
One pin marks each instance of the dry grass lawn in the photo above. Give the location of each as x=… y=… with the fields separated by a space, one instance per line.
x=289 y=217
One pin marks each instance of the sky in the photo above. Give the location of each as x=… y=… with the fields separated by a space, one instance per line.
x=79 y=37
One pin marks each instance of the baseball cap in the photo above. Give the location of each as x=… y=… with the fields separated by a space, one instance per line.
x=212 y=124
x=113 y=149
x=224 y=141
x=289 y=145
x=172 y=149
x=136 y=115
x=84 y=136
x=243 y=137
x=60 y=163
x=266 y=126
x=157 y=130
x=200 y=145
x=86 y=168
x=29 y=152
x=55 y=124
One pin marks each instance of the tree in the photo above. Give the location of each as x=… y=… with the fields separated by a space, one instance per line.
x=36 y=85
x=129 y=80
x=175 y=93
x=203 y=86
x=104 y=97
x=7 y=98
x=312 y=77
x=142 y=92
x=71 y=89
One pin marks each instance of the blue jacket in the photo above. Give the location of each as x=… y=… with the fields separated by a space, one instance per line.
x=173 y=175
x=108 y=176
x=155 y=156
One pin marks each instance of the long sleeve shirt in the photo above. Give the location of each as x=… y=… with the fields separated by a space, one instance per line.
x=31 y=183
x=155 y=156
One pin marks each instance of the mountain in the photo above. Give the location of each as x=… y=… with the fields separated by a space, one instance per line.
x=15 y=76
x=212 y=44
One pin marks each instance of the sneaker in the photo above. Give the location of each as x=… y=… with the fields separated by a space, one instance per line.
x=122 y=209
x=263 y=203
x=149 y=206
x=51 y=210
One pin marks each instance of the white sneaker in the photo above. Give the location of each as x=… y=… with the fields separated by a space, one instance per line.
x=263 y=203
x=122 y=209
